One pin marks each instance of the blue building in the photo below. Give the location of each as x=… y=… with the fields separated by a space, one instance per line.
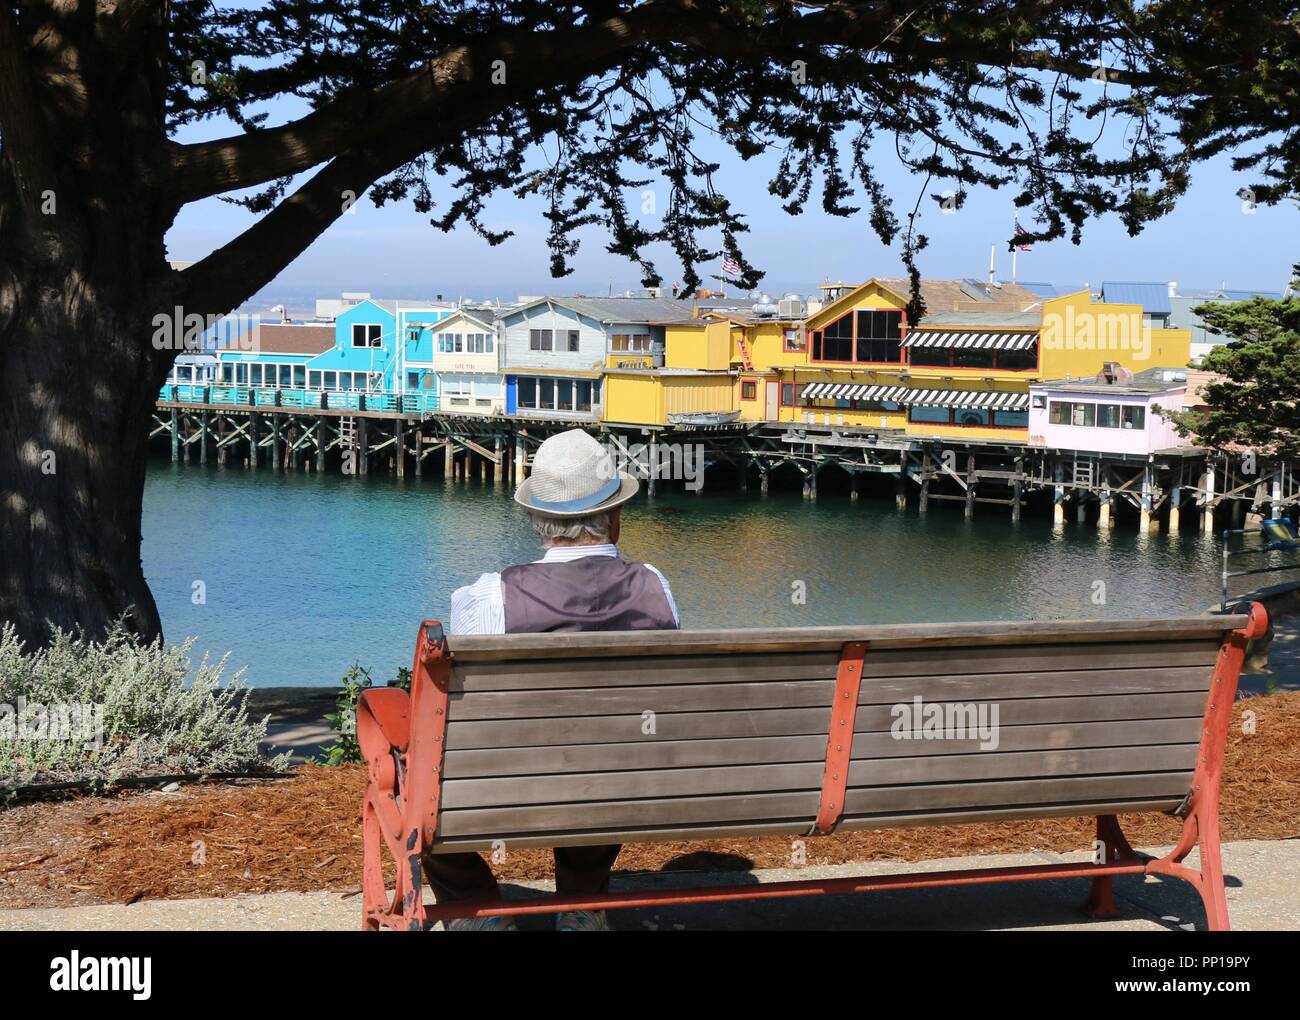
x=358 y=360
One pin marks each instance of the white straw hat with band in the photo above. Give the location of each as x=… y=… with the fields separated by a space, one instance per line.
x=574 y=476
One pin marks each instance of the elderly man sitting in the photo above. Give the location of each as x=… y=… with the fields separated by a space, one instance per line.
x=574 y=498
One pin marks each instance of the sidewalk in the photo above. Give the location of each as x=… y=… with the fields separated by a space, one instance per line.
x=1263 y=893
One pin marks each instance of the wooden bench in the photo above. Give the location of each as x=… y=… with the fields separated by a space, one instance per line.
x=543 y=740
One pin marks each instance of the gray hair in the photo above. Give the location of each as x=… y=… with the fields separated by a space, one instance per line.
x=553 y=529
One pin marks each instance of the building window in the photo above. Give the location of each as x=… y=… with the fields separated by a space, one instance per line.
x=367 y=334
x=790 y=394
x=557 y=394
x=539 y=339
x=967 y=357
x=870 y=336
x=573 y=341
x=749 y=390
x=793 y=340
x=935 y=415
x=624 y=342
x=969 y=417
x=1101 y=416
x=412 y=380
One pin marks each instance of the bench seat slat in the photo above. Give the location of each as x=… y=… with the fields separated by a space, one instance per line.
x=817 y=693
x=798 y=827
x=921 y=797
x=573 y=788
x=991 y=686
x=466 y=734
x=499 y=647
x=659 y=753
x=633 y=671
x=630 y=815
x=1036 y=658
x=653 y=671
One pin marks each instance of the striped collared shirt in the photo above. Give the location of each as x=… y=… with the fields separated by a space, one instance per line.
x=479 y=608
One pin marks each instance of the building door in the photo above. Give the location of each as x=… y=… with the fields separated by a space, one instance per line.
x=773 y=401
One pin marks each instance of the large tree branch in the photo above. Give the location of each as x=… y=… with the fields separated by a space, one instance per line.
x=532 y=59
x=458 y=76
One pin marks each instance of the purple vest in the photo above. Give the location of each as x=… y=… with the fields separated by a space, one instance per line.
x=590 y=593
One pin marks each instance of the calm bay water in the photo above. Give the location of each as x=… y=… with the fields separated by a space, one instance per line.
x=305 y=574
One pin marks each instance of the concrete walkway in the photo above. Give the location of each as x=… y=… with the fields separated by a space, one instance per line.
x=1263 y=894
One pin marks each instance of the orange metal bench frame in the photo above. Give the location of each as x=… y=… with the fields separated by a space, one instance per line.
x=402 y=739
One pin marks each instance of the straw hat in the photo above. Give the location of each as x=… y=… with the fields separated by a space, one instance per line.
x=574 y=476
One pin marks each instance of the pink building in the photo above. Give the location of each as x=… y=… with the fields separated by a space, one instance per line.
x=1114 y=412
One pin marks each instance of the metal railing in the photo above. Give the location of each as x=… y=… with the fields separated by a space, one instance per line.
x=1269 y=548
x=297 y=397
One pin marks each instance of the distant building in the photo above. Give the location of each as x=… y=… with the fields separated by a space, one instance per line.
x=1153 y=297
x=1182 y=315
x=462 y=362
x=556 y=350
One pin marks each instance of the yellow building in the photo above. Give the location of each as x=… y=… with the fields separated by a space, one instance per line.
x=964 y=371
x=853 y=359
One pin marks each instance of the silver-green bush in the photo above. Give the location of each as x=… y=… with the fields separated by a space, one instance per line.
x=134 y=696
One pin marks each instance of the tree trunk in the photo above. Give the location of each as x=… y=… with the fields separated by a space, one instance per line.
x=78 y=379
x=83 y=270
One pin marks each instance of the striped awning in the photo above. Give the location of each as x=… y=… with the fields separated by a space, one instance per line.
x=972 y=338
x=998 y=400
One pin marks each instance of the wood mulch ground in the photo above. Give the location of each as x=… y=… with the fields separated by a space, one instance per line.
x=304 y=833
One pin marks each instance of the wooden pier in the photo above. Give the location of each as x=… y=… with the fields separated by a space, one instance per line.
x=1158 y=490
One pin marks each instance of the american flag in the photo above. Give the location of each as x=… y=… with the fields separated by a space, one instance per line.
x=730 y=267
x=1022 y=232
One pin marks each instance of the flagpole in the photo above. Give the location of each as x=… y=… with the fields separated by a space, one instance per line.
x=1014 y=250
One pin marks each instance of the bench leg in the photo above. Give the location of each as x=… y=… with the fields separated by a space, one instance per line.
x=1200 y=827
x=1213 y=893
x=1115 y=847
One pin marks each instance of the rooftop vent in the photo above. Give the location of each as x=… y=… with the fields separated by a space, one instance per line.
x=791 y=307
x=1113 y=372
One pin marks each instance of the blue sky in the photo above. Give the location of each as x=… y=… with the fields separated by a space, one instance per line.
x=1207 y=241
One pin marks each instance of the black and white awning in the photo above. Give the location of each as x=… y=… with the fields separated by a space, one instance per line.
x=997 y=400
x=970 y=338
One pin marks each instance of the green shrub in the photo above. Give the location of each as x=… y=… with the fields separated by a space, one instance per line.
x=343 y=720
x=143 y=719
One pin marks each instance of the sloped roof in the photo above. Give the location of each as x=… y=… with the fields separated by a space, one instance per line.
x=487 y=316
x=955 y=295
x=618 y=309
x=285 y=338
x=1153 y=297
x=986 y=320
